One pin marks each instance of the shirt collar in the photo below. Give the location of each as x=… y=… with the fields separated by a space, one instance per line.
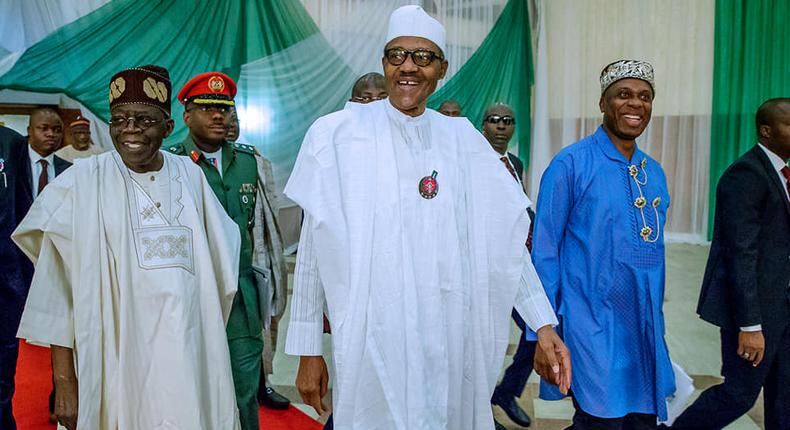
x=611 y=151
x=401 y=117
x=34 y=156
x=775 y=160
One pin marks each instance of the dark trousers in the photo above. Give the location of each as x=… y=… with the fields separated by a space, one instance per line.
x=9 y=351
x=634 y=421
x=515 y=378
x=724 y=403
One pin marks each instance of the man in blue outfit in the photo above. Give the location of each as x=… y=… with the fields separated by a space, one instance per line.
x=599 y=251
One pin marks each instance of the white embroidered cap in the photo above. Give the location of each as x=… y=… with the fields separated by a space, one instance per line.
x=624 y=69
x=412 y=20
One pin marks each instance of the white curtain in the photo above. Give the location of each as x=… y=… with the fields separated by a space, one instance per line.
x=24 y=23
x=577 y=39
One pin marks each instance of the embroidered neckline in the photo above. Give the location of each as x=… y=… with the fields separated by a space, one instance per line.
x=641 y=202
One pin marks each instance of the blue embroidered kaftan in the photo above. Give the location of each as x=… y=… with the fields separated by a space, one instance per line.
x=605 y=281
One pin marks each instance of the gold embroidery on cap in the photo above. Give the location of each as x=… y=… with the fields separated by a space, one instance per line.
x=155 y=90
x=216 y=84
x=117 y=87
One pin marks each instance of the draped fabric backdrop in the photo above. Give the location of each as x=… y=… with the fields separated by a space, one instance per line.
x=294 y=61
x=752 y=64
x=494 y=74
x=577 y=39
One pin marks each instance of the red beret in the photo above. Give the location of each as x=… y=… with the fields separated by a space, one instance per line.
x=208 y=88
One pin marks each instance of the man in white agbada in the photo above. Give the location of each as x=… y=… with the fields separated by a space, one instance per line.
x=136 y=270
x=414 y=238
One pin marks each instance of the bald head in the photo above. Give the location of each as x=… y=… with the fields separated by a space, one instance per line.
x=502 y=109
x=45 y=131
x=773 y=126
x=451 y=108
x=369 y=88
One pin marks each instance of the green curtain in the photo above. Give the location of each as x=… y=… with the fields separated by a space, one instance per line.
x=499 y=71
x=751 y=64
x=219 y=35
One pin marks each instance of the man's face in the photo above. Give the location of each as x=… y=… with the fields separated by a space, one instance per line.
x=46 y=132
x=208 y=123
x=371 y=93
x=498 y=127
x=81 y=135
x=408 y=84
x=627 y=105
x=777 y=134
x=233 y=129
x=450 y=109
x=137 y=131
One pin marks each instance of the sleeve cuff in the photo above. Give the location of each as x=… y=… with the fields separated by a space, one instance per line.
x=305 y=338
x=41 y=328
x=752 y=328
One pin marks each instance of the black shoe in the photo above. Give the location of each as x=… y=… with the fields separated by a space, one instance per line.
x=498 y=426
x=273 y=400
x=514 y=411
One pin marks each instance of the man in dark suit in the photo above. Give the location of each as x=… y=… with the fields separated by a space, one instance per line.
x=746 y=289
x=15 y=269
x=498 y=126
x=27 y=167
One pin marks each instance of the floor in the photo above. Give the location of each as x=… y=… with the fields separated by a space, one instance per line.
x=693 y=344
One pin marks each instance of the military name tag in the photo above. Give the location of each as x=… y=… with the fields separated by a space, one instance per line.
x=248 y=188
x=428 y=186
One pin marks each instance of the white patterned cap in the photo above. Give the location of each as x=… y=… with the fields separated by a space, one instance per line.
x=624 y=69
x=412 y=20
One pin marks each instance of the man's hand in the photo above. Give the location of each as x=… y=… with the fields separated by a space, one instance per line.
x=66 y=406
x=553 y=359
x=751 y=346
x=312 y=381
x=65 y=378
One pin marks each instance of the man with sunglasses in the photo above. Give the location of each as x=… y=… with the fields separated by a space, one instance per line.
x=498 y=126
x=136 y=270
x=599 y=250
x=235 y=172
x=398 y=242
x=369 y=88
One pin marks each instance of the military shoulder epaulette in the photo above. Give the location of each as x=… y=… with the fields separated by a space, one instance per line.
x=249 y=149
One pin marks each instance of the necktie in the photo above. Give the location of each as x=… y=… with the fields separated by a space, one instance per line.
x=509 y=167
x=43 y=178
x=786 y=174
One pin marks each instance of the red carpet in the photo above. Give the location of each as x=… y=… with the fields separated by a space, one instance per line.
x=33 y=383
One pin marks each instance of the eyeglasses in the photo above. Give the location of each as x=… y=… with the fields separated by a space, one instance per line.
x=421 y=57
x=211 y=108
x=141 y=121
x=494 y=119
x=367 y=99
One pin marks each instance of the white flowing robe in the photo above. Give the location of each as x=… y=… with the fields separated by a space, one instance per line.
x=419 y=291
x=140 y=292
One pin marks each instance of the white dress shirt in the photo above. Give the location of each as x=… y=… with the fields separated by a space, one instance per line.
x=35 y=167
x=778 y=164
